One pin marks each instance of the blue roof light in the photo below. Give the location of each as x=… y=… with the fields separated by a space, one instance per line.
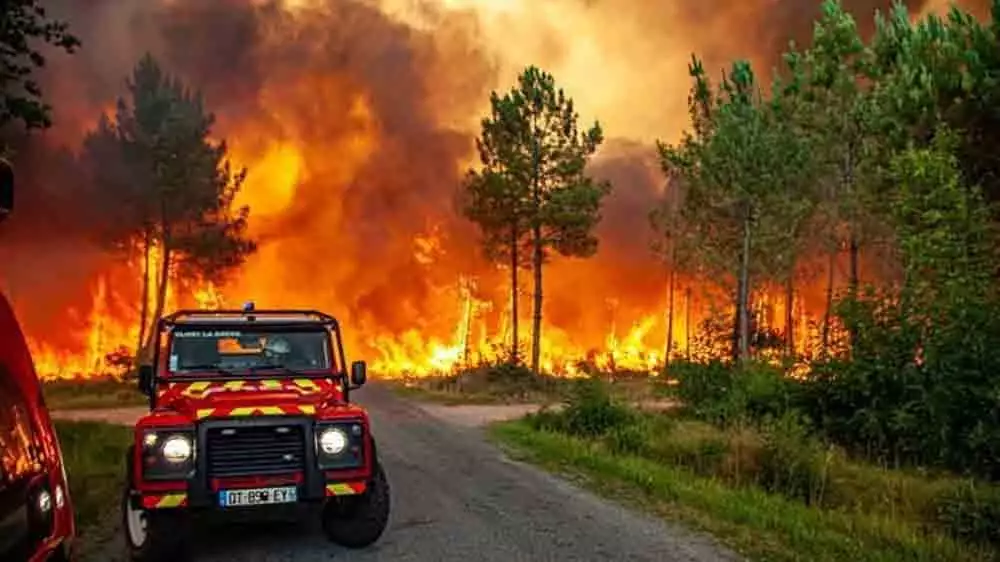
x=248 y=306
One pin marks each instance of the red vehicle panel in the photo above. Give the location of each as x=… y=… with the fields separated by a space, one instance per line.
x=36 y=512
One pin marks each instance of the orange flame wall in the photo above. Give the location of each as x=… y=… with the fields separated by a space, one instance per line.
x=356 y=119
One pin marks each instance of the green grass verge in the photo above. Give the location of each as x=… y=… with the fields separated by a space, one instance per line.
x=429 y=391
x=94 y=454
x=479 y=388
x=759 y=525
x=87 y=394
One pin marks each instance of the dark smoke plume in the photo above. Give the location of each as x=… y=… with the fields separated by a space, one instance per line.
x=269 y=76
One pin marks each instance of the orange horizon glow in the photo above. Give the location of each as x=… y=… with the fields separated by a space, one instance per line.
x=343 y=226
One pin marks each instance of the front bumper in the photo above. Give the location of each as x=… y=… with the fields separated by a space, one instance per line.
x=201 y=490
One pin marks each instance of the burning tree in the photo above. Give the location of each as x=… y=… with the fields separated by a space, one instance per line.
x=532 y=190
x=171 y=187
x=743 y=169
x=24 y=22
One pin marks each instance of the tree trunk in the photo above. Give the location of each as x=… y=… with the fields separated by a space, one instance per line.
x=828 y=313
x=536 y=231
x=514 y=355
x=536 y=333
x=855 y=275
x=742 y=335
x=670 y=315
x=161 y=289
x=790 y=316
x=144 y=307
x=687 y=322
x=853 y=247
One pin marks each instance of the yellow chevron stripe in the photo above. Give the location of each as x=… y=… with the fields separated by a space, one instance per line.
x=172 y=500
x=340 y=490
x=308 y=410
x=233 y=385
x=271 y=411
x=241 y=412
x=205 y=413
x=271 y=384
x=306 y=384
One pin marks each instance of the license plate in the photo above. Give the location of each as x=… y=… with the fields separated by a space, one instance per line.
x=258 y=496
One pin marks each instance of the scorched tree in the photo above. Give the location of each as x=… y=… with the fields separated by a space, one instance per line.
x=172 y=188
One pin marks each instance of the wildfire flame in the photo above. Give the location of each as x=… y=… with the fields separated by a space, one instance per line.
x=351 y=169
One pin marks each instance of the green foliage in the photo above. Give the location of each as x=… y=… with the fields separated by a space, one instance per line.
x=793 y=462
x=592 y=412
x=24 y=23
x=744 y=175
x=971 y=513
x=531 y=191
x=726 y=395
x=920 y=384
x=172 y=187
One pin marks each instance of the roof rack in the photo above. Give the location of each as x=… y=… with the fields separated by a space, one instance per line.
x=290 y=316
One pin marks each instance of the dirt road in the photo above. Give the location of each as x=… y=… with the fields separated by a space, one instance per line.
x=456 y=497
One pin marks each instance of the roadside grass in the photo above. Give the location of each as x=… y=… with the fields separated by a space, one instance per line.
x=94 y=453
x=751 y=521
x=82 y=394
x=503 y=384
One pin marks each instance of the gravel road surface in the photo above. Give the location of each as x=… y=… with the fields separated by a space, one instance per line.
x=456 y=497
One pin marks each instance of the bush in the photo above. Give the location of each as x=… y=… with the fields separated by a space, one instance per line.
x=971 y=513
x=591 y=412
x=632 y=439
x=723 y=394
x=793 y=462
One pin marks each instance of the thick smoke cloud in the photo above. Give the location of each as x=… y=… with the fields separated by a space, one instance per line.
x=377 y=110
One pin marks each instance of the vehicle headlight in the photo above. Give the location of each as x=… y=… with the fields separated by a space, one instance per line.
x=177 y=449
x=167 y=454
x=340 y=445
x=333 y=441
x=44 y=501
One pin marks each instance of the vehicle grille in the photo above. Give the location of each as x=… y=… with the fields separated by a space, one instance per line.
x=252 y=450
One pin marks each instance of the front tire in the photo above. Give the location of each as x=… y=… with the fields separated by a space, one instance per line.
x=358 y=521
x=152 y=535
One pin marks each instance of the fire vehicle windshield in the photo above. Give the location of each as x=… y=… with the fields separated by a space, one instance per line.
x=253 y=349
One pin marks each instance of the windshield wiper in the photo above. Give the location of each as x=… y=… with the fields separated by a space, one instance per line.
x=213 y=368
x=275 y=367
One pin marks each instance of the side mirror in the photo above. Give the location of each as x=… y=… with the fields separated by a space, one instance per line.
x=6 y=189
x=359 y=373
x=146 y=379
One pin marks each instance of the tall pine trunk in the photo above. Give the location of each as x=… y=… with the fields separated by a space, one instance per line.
x=515 y=342
x=687 y=322
x=536 y=234
x=144 y=307
x=741 y=349
x=853 y=244
x=670 y=314
x=790 y=315
x=536 y=327
x=161 y=288
x=828 y=313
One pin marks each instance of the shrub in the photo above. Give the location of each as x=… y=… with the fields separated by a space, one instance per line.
x=724 y=394
x=631 y=439
x=971 y=512
x=591 y=412
x=793 y=462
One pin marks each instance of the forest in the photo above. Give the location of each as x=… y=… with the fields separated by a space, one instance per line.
x=871 y=154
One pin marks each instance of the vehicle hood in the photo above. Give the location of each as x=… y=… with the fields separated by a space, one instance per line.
x=238 y=398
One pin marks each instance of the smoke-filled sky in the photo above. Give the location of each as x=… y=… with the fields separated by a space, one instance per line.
x=356 y=120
